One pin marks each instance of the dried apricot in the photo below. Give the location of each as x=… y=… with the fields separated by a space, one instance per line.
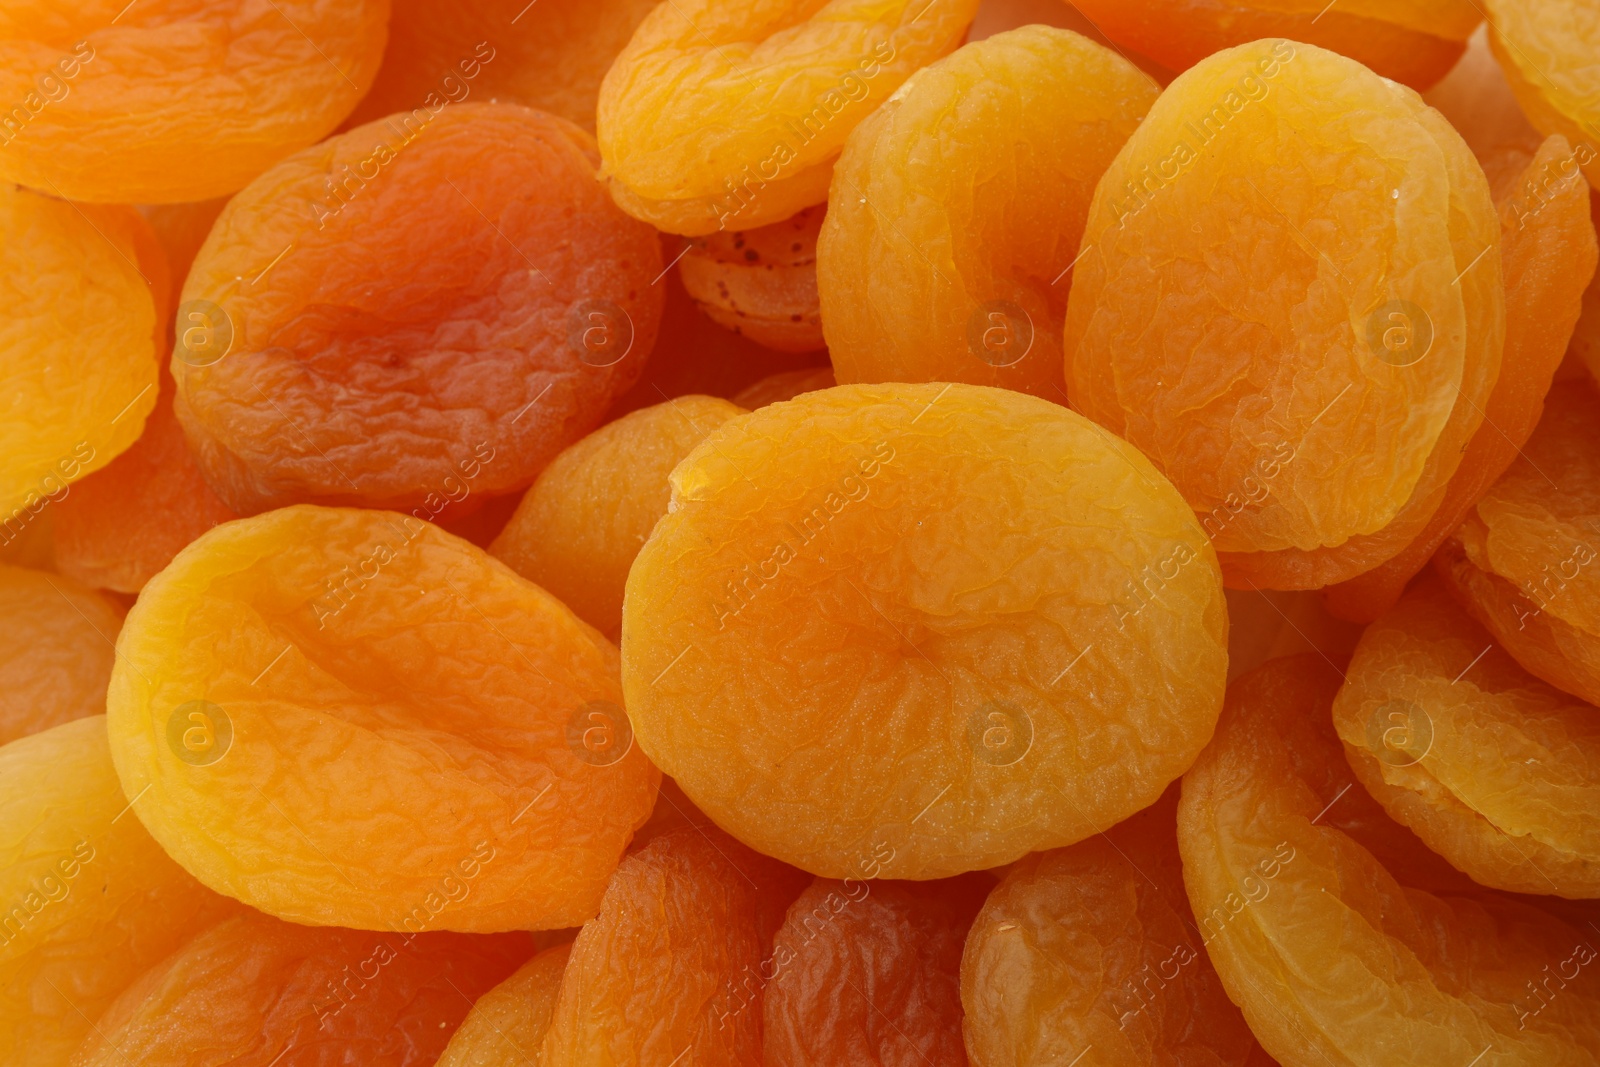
x=1410 y=41
x=1495 y=770
x=1479 y=103
x=762 y=282
x=668 y=971
x=785 y=385
x=1547 y=48
x=508 y=1023
x=958 y=206
x=57 y=643
x=90 y=901
x=550 y=55
x=351 y=718
x=257 y=991
x=1335 y=952
x=168 y=101
x=722 y=115
x=579 y=527
x=77 y=350
x=910 y=621
x=1586 y=334
x=1290 y=299
x=1549 y=256
x=1093 y=947
x=448 y=297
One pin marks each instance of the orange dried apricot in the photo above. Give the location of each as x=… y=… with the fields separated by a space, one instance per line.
x=1290 y=299
x=1547 y=48
x=1335 y=952
x=550 y=55
x=762 y=282
x=87 y=900
x=580 y=526
x=1549 y=255
x=1410 y=41
x=1495 y=770
x=668 y=971
x=352 y=718
x=1526 y=562
x=451 y=297
x=1586 y=334
x=255 y=990
x=166 y=101
x=721 y=115
x=57 y=643
x=785 y=385
x=508 y=1023
x=958 y=206
x=76 y=345
x=870 y=973
x=949 y=624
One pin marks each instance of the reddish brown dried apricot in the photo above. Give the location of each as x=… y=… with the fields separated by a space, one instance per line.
x=508 y=1023
x=762 y=282
x=57 y=643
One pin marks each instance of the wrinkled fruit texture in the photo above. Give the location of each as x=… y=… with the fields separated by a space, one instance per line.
x=90 y=900
x=1586 y=335
x=415 y=301
x=258 y=992
x=352 y=718
x=725 y=115
x=507 y=1024
x=959 y=205
x=1410 y=41
x=785 y=385
x=579 y=527
x=551 y=55
x=1334 y=952
x=761 y=283
x=921 y=629
x=1526 y=562
x=174 y=100
x=869 y=973
x=77 y=350
x=1547 y=49
x=1094 y=947
x=1270 y=308
x=669 y=969
x=1548 y=253
x=57 y=643
x=1495 y=770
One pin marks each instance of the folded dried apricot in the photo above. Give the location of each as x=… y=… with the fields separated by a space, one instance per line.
x=721 y=115
x=580 y=526
x=89 y=900
x=419 y=303
x=762 y=282
x=1290 y=299
x=1547 y=48
x=921 y=629
x=57 y=643
x=508 y=1023
x=351 y=718
x=167 y=101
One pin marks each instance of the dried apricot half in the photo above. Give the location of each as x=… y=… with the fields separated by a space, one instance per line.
x=57 y=643
x=425 y=298
x=352 y=718
x=508 y=1023
x=762 y=282
x=164 y=101
x=1290 y=299
x=1547 y=49
x=921 y=629
x=958 y=207
x=724 y=115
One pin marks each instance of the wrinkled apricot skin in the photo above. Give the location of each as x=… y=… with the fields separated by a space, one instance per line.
x=260 y=991
x=1549 y=256
x=1335 y=952
x=958 y=206
x=1049 y=648
x=785 y=385
x=722 y=115
x=90 y=901
x=57 y=642
x=351 y=718
x=761 y=283
x=508 y=1023
x=580 y=526
x=415 y=305
x=1546 y=48
x=76 y=345
x=172 y=100
x=1253 y=298
x=1495 y=770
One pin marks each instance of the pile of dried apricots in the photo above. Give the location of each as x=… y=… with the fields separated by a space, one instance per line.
x=807 y=533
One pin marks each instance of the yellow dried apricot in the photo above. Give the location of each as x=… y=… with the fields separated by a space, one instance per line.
x=958 y=207
x=1547 y=49
x=57 y=643
x=508 y=1023
x=761 y=283
x=352 y=718
x=943 y=624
